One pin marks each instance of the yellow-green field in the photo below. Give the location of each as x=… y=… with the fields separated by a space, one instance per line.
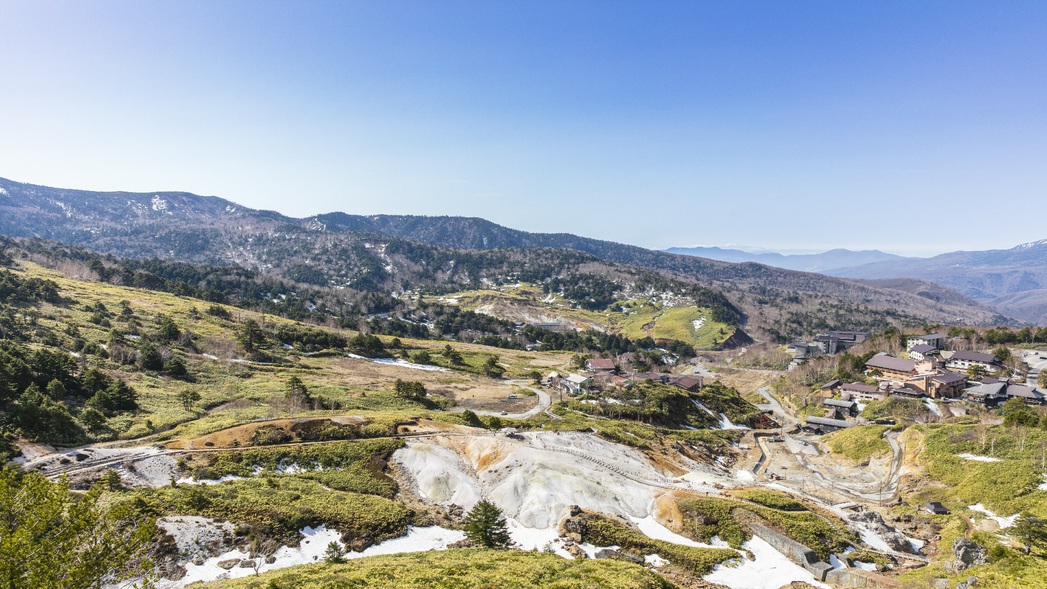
x=234 y=389
x=635 y=318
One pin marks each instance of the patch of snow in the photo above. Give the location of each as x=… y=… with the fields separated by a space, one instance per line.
x=311 y=549
x=652 y=529
x=873 y=539
x=159 y=204
x=655 y=561
x=933 y=407
x=726 y=423
x=836 y=562
x=917 y=544
x=1043 y=485
x=769 y=569
x=698 y=323
x=865 y=566
x=192 y=481
x=976 y=458
x=704 y=408
x=416 y=540
x=400 y=363
x=535 y=538
x=210 y=356
x=591 y=550
x=292 y=468
x=746 y=476
x=1003 y=522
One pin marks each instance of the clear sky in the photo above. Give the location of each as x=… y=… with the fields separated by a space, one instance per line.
x=913 y=127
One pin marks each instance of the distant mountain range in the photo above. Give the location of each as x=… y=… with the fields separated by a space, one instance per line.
x=1012 y=281
x=823 y=262
x=389 y=253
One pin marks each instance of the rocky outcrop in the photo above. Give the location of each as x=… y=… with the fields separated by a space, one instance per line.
x=967 y=554
x=894 y=539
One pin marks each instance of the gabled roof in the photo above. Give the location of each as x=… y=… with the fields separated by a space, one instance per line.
x=928 y=336
x=995 y=389
x=687 y=382
x=888 y=362
x=860 y=387
x=839 y=403
x=832 y=384
x=601 y=364
x=830 y=422
x=1024 y=392
x=577 y=379
x=947 y=377
x=974 y=357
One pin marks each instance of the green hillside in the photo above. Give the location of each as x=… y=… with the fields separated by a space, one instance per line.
x=464 y=569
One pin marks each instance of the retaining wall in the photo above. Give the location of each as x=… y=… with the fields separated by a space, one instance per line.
x=805 y=557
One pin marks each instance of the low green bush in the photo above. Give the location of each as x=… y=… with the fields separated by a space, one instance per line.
x=601 y=530
x=504 y=569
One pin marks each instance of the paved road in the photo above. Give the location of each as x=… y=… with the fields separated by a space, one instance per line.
x=777 y=410
x=1036 y=365
x=699 y=369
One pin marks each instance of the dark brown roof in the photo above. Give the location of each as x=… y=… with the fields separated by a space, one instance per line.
x=601 y=364
x=887 y=362
x=687 y=382
x=974 y=357
x=949 y=377
x=923 y=349
x=860 y=387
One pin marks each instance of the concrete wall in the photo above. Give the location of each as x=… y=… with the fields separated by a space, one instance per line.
x=795 y=551
x=805 y=557
x=860 y=578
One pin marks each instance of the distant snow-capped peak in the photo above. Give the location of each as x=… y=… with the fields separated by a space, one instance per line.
x=1031 y=244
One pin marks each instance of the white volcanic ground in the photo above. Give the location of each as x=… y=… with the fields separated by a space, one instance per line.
x=534 y=479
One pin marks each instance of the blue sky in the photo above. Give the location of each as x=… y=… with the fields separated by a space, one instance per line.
x=913 y=127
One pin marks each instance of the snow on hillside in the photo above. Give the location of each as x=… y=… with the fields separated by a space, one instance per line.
x=769 y=569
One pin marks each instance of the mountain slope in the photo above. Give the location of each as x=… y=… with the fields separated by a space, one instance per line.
x=837 y=258
x=372 y=254
x=1007 y=280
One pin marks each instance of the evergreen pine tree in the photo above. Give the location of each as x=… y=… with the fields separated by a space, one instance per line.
x=485 y=525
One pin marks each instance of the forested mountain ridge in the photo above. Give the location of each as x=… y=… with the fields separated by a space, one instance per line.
x=394 y=254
